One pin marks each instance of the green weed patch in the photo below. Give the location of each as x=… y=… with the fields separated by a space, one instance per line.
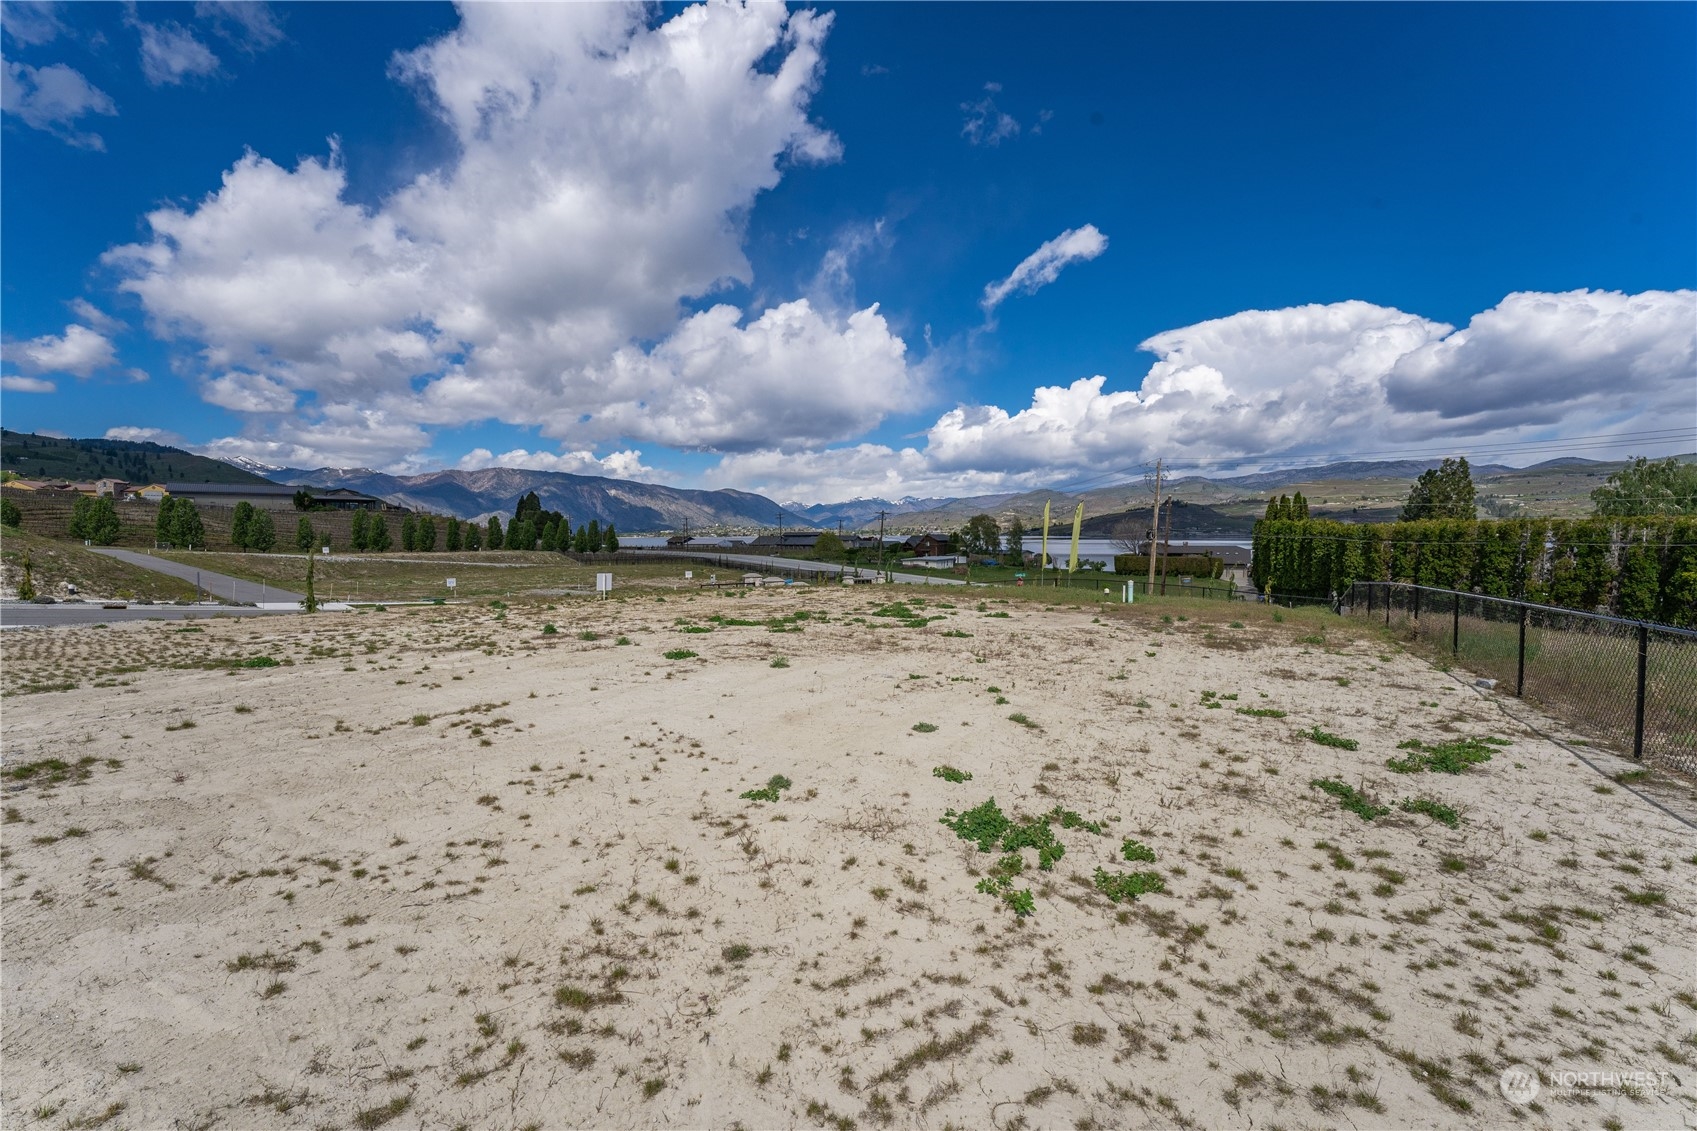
x=770 y=791
x=1350 y=798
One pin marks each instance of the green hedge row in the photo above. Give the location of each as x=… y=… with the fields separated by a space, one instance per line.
x=1643 y=568
x=1191 y=565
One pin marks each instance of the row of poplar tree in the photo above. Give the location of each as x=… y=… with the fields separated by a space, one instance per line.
x=1644 y=568
x=179 y=523
x=530 y=528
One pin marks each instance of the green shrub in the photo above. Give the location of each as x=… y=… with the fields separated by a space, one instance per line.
x=1350 y=798
x=770 y=791
x=1436 y=810
x=1136 y=851
x=1327 y=738
x=1125 y=887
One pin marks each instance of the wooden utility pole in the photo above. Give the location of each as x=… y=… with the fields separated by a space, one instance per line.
x=1155 y=537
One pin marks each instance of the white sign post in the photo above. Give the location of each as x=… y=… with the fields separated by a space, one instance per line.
x=603 y=583
x=452 y=582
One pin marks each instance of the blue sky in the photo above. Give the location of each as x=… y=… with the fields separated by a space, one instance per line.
x=870 y=249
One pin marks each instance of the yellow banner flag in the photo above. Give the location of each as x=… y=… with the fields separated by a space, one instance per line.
x=1077 y=521
x=1043 y=562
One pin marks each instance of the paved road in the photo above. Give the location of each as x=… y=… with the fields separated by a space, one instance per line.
x=219 y=585
x=829 y=569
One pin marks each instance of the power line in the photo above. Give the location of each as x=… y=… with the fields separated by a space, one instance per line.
x=1513 y=447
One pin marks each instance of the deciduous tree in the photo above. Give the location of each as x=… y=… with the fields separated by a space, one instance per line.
x=1648 y=487
x=1445 y=491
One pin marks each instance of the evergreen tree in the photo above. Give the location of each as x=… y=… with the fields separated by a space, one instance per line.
x=529 y=506
x=1445 y=491
x=473 y=536
x=610 y=540
x=512 y=542
x=356 y=534
x=310 y=604
x=10 y=515
x=164 y=525
x=527 y=534
x=426 y=533
x=409 y=532
x=592 y=541
x=550 y=537
x=187 y=530
x=1285 y=514
x=493 y=541
x=304 y=536
x=377 y=534
x=26 y=587
x=1272 y=508
x=563 y=539
x=580 y=540
x=1298 y=506
x=452 y=544
x=261 y=531
x=239 y=523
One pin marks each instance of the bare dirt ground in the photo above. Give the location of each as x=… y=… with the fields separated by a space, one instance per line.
x=442 y=867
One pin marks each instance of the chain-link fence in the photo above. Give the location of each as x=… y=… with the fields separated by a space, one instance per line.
x=1629 y=683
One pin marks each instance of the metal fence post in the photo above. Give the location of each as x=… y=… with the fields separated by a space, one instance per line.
x=1417 y=602
x=1643 y=667
x=1520 y=666
x=1387 y=606
x=1455 y=631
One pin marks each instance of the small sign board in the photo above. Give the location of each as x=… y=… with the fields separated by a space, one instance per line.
x=1184 y=581
x=603 y=583
x=452 y=582
x=689 y=575
x=326 y=549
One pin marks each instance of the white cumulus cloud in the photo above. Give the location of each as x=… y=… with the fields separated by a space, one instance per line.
x=78 y=351
x=605 y=166
x=15 y=383
x=150 y=435
x=53 y=98
x=626 y=464
x=1320 y=380
x=170 y=54
x=1043 y=266
x=251 y=24
x=30 y=23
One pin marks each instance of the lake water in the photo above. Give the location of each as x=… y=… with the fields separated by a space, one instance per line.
x=1089 y=549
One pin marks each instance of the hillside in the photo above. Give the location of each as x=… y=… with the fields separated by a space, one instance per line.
x=1353 y=492
x=633 y=507
x=56 y=564
x=51 y=457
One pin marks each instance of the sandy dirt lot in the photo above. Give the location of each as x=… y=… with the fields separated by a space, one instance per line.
x=443 y=867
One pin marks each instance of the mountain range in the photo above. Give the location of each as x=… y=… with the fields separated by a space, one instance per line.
x=631 y=506
x=1352 y=490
